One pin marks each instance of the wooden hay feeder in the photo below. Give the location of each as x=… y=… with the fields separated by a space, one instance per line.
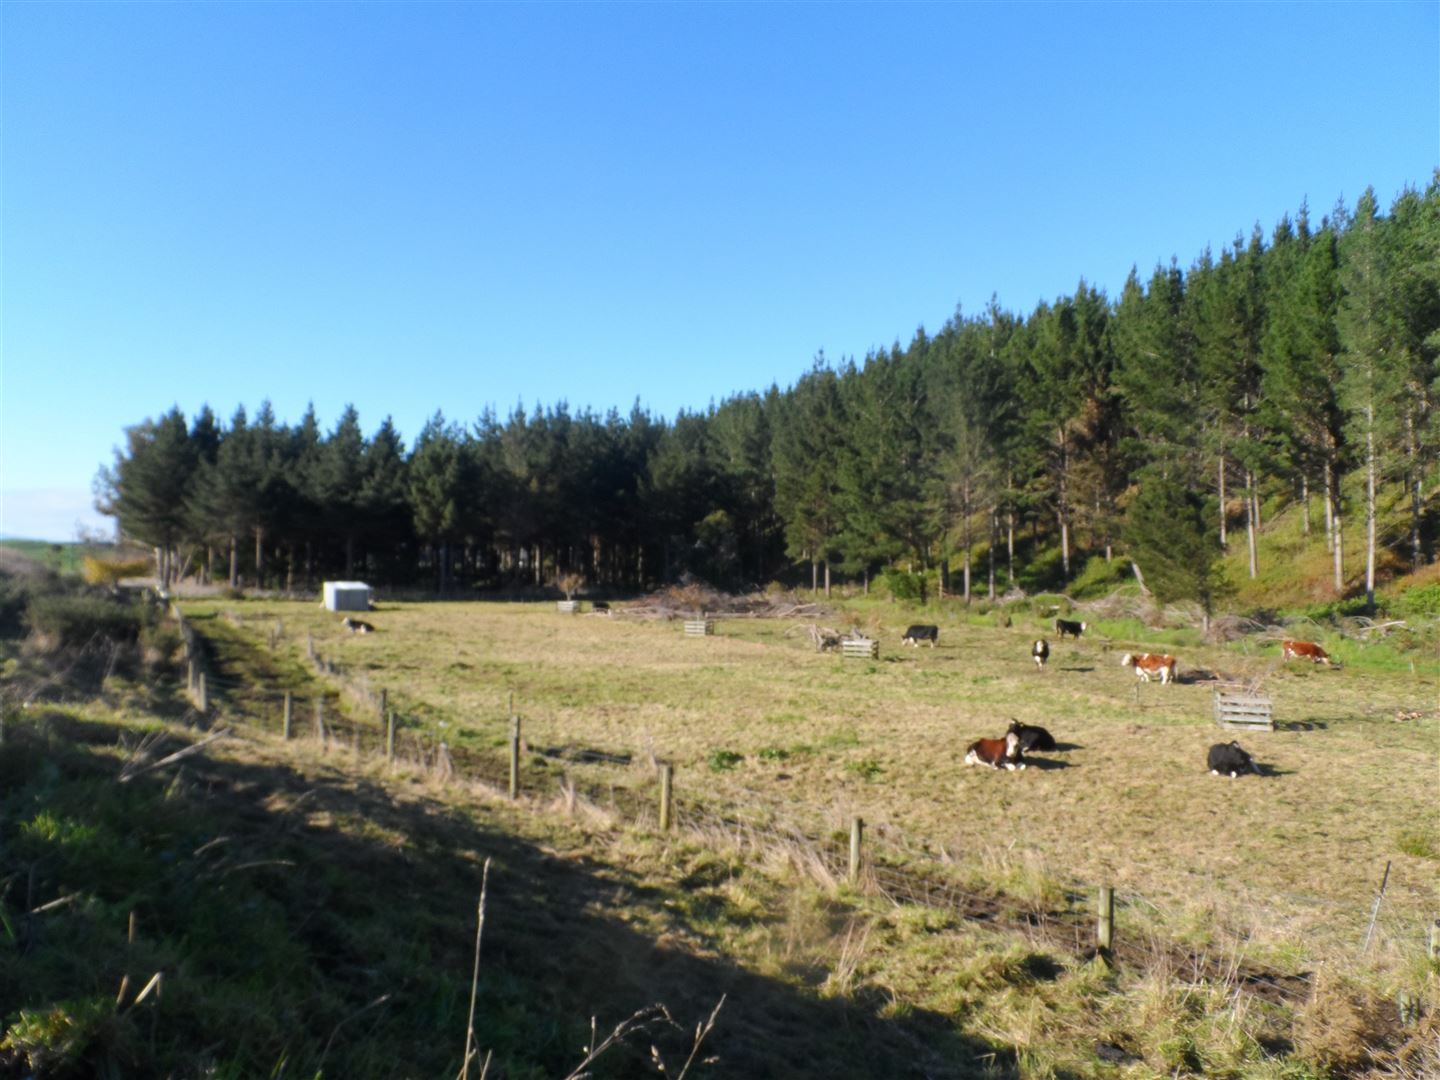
x=860 y=648
x=1243 y=709
x=699 y=627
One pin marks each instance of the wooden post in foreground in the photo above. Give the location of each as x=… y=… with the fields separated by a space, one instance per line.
x=390 y=737
x=1435 y=940
x=1105 y=934
x=667 y=796
x=857 y=831
x=289 y=715
x=202 y=695
x=514 y=757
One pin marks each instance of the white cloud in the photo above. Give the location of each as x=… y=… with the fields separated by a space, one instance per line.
x=54 y=514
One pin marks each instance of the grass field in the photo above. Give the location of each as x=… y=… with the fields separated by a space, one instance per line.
x=754 y=719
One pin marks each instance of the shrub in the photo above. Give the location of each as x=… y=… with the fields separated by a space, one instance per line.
x=76 y=620
x=903 y=584
x=108 y=572
x=1423 y=600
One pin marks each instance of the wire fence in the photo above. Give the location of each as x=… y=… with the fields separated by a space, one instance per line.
x=888 y=865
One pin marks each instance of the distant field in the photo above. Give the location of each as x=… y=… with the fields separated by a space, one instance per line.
x=753 y=717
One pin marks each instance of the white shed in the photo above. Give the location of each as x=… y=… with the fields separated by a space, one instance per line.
x=347 y=596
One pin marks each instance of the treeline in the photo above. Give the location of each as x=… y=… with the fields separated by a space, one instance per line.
x=1281 y=366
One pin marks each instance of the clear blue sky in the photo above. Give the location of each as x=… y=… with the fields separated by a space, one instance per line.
x=416 y=206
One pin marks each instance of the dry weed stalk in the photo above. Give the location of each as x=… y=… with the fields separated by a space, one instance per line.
x=135 y=766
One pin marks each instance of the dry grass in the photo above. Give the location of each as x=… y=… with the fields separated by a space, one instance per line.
x=1290 y=860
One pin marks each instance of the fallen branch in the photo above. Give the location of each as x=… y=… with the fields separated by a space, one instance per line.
x=128 y=773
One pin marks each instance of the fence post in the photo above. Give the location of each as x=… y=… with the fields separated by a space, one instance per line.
x=1106 y=931
x=857 y=830
x=289 y=714
x=667 y=796
x=189 y=674
x=390 y=738
x=320 y=721
x=514 y=757
x=202 y=694
x=1435 y=940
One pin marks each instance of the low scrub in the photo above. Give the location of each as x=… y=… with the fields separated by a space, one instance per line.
x=76 y=620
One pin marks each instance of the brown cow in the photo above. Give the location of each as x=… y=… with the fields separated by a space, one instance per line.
x=1148 y=664
x=1304 y=650
x=997 y=753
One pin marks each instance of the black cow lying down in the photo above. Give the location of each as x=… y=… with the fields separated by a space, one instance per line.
x=917 y=634
x=1031 y=737
x=1230 y=758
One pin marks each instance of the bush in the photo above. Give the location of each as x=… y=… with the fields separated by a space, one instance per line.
x=903 y=584
x=76 y=620
x=1421 y=601
x=108 y=572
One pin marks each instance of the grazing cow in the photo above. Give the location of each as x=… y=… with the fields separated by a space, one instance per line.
x=355 y=626
x=917 y=634
x=1074 y=629
x=997 y=753
x=1148 y=664
x=1304 y=650
x=1031 y=737
x=1230 y=758
x=1040 y=652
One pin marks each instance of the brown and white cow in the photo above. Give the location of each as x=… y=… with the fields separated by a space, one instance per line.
x=997 y=753
x=1148 y=664
x=1304 y=650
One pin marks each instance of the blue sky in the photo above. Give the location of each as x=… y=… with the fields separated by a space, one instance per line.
x=415 y=207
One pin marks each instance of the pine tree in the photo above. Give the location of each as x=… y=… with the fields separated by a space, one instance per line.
x=1167 y=536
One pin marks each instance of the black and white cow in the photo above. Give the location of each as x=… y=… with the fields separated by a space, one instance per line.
x=1040 y=652
x=355 y=626
x=1230 y=758
x=917 y=634
x=1030 y=736
x=1074 y=629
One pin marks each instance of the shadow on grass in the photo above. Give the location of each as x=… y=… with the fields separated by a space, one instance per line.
x=319 y=918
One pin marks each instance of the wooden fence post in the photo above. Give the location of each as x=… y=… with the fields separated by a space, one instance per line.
x=289 y=714
x=514 y=757
x=390 y=738
x=202 y=695
x=667 y=796
x=190 y=674
x=320 y=721
x=1435 y=940
x=1105 y=934
x=857 y=830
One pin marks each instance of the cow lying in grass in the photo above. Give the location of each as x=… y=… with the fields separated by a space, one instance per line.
x=917 y=634
x=1148 y=664
x=997 y=753
x=1230 y=758
x=355 y=626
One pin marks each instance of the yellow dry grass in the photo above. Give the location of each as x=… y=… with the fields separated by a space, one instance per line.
x=1291 y=860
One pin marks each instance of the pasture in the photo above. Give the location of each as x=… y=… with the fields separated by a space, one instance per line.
x=754 y=719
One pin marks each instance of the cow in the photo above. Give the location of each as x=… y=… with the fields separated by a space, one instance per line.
x=1304 y=650
x=1074 y=629
x=1031 y=737
x=599 y=605
x=355 y=626
x=1148 y=664
x=997 y=753
x=1040 y=652
x=917 y=634
x=1230 y=758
